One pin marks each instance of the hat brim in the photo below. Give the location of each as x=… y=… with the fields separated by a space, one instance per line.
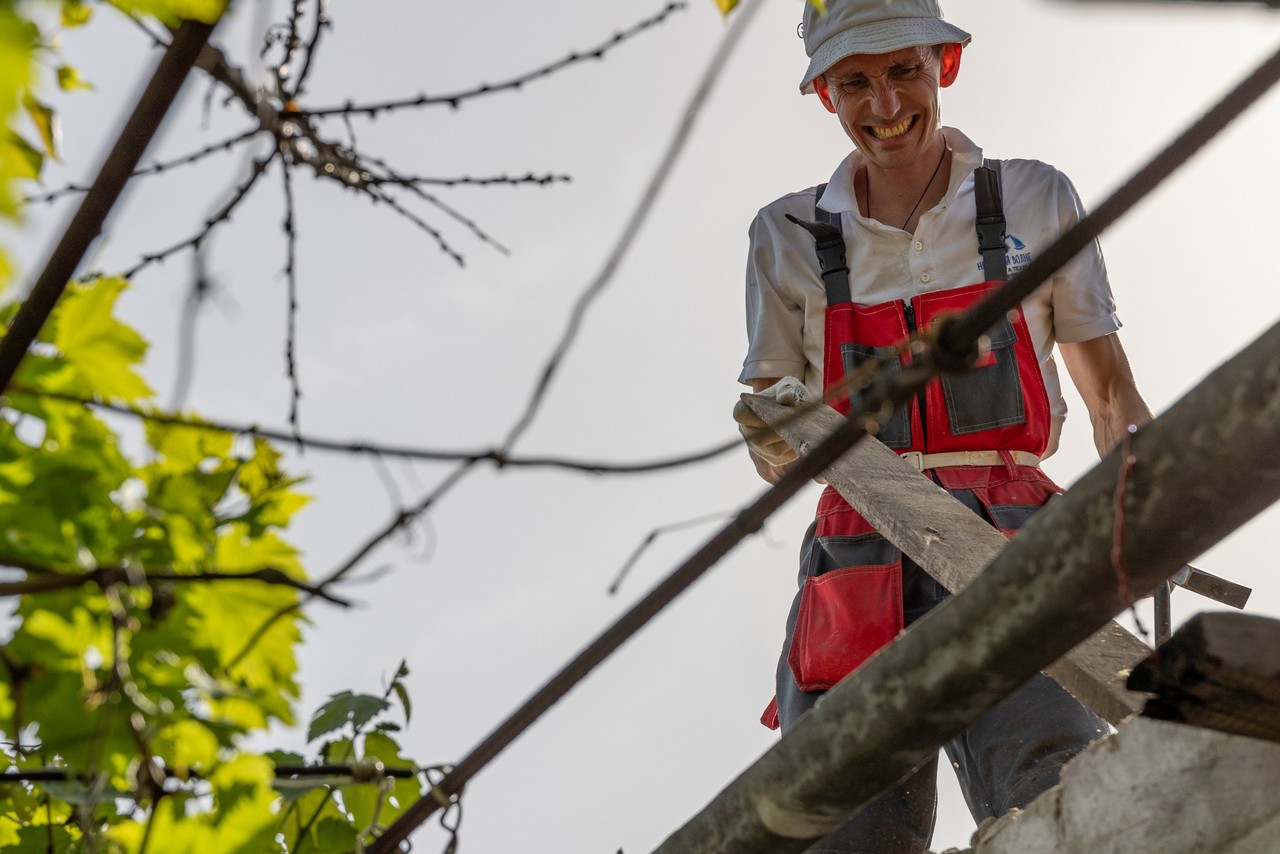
x=880 y=37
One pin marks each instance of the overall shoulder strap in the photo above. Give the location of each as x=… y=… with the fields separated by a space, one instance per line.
x=989 y=200
x=828 y=243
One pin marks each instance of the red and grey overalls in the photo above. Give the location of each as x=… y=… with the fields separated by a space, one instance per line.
x=851 y=598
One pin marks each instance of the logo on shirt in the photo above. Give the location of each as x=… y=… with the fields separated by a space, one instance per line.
x=1016 y=254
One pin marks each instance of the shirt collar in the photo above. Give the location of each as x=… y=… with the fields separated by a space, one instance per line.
x=839 y=196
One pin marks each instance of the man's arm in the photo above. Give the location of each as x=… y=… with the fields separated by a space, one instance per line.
x=1101 y=373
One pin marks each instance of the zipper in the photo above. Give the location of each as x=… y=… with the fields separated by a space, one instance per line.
x=909 y=314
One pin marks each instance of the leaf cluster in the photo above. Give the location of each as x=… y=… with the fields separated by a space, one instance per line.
x=141 y=692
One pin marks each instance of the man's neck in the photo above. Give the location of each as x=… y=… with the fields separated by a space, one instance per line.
x=897 y=197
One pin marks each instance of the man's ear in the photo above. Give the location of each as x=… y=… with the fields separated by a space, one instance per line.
x=950 y=60
x=824 y=94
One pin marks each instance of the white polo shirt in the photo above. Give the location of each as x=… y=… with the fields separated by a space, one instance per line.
x=786 y=302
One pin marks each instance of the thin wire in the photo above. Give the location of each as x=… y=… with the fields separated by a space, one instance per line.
x=455 y=99
x=719 y=60
x=941 y=352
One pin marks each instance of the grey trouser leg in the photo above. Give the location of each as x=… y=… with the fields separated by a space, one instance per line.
x=1016 y=751
x=1005 y=759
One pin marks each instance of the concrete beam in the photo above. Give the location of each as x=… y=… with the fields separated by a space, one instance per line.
x=1186 y=480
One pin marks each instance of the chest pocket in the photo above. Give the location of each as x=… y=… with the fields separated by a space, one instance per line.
x=896 y=431
x=990 y=396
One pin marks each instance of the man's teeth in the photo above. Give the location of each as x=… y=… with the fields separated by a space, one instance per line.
x=890 y=133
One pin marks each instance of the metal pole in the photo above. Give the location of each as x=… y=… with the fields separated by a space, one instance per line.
x=86 y=224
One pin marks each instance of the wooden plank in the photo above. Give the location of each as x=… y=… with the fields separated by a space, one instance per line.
x=1153 y=786
x=953 y=544
x=1220 y=671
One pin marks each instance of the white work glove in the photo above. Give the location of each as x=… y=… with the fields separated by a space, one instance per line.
x=761 y=438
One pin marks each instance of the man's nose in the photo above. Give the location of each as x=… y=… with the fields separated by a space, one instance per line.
x=884 y=99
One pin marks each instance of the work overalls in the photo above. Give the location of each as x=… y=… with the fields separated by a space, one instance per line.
x=858 y=591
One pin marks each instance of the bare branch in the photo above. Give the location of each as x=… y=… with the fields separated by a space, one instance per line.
x=467 y=180
x=291 y=326
x=413 y=187
x=653 y=536
x=223 y=215
x=379 y=196
x=455 y=99
x=155 y=168
x=309 y=50
x=196 y=295
x=400 y=520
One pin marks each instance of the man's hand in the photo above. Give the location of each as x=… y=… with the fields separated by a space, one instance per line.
x=765 y=445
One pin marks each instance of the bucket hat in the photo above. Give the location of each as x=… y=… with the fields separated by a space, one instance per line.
x=871 y=26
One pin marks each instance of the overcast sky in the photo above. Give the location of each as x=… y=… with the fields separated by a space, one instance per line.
x=508 y=577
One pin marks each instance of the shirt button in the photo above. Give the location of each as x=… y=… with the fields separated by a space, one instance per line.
x=919 y=245
x=925 y=278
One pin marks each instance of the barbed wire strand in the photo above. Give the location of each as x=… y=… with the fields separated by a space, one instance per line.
x=456 y=99
x=952 y=345
x=728 y=42
x=46 y=579
x=719 y=59
x=357 y=773
x=319 y=443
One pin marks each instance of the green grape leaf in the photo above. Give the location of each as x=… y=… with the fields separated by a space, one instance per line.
x=46 y=123
x=364 y=800
x=221 y=619
x=69 y=80
x=101 y=349
x=173 y=11
x=19 y=158
x=75 y=13
x=403 y=694
x=333 y=834
x=185 y=745
x=18 y=40
x=345 y=708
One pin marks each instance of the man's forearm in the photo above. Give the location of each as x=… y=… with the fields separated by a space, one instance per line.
x=1112 y=423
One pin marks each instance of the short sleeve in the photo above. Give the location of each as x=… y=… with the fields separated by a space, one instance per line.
x=1083 y=305
x=775 y=313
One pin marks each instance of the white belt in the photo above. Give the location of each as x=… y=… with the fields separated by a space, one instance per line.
x=920 y=462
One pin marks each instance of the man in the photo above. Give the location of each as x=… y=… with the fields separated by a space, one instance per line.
x=907 y=200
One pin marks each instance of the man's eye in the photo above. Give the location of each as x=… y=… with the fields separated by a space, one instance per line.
x=905 y=72
x=854 y=84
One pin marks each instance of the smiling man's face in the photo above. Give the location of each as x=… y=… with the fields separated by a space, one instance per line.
x=887 y=103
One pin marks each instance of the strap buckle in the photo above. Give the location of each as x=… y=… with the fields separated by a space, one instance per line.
x=915 y=459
